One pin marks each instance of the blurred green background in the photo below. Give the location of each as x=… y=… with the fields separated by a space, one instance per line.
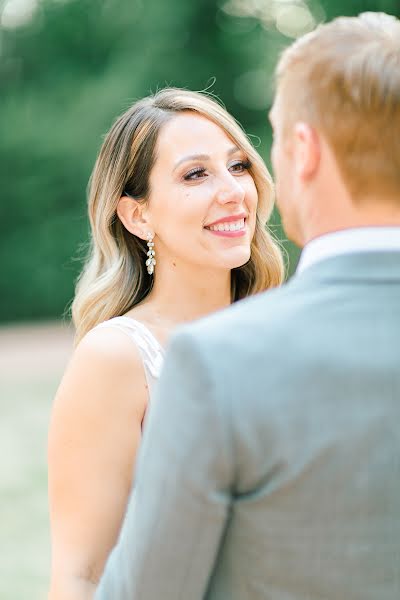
x=67 y=69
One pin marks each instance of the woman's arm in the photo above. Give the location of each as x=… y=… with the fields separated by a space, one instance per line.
x=94 y=434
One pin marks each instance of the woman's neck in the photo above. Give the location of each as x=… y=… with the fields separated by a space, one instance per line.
x=183 y=295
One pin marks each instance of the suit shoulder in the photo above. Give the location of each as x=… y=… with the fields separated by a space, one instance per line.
x=253 y=318
x=258 y=308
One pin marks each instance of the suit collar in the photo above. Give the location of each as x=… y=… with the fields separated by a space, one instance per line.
x=383 y=266
x=350 y=241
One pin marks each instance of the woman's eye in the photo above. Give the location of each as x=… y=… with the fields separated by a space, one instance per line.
x=240 y=166
x=194 y=174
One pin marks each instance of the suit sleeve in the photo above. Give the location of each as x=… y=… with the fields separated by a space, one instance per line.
x=180 y=504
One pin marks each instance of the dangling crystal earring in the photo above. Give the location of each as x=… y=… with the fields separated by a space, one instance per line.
x=151 y=261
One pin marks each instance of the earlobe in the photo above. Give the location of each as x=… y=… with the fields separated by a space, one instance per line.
x=308 y=151
x=131 y=214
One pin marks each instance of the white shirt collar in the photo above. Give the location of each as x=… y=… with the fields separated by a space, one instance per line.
x=349 y=241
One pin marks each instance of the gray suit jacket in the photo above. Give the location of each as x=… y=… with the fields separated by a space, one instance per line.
x=270 y=465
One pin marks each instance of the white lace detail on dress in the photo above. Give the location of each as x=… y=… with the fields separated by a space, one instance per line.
x=150 y=349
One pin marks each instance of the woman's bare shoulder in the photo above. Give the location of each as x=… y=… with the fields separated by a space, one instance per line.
x=106 y=370
x=110 y=343
x=111 y=349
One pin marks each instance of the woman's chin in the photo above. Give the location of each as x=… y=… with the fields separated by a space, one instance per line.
x=237 y=257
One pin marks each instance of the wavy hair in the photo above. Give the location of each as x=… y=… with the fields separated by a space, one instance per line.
x=114 y=278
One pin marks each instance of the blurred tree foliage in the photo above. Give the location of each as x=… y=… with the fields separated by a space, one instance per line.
x=66 y=74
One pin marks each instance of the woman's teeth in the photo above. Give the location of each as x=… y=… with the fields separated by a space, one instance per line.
x=232 y=226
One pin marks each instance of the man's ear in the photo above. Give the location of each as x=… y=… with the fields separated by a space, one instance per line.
x=133 y=217
x=307 y=150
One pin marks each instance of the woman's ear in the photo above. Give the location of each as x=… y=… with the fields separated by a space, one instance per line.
x=132 y=215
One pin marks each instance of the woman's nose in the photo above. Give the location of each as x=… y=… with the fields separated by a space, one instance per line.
x=230 y=190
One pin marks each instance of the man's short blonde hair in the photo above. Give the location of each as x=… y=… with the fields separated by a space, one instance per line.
x=344 y=79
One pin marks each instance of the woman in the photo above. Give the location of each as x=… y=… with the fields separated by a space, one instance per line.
x=178 y=204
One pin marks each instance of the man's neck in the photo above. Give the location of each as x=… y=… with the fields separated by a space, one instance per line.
x=355 y=217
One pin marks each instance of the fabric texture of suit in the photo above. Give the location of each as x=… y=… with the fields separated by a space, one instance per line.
x=270 y=464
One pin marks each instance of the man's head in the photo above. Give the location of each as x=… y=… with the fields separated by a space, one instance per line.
x=336 y=118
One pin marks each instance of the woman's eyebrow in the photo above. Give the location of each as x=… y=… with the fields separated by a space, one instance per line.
x=189 y=157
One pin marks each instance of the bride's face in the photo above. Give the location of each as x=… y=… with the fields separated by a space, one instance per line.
x=203 y=200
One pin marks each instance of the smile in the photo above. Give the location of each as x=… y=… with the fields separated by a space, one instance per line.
x=232 y=226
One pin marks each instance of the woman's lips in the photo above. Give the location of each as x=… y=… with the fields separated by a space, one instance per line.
x=231 y=234
x=228 y=219
x=233 y=226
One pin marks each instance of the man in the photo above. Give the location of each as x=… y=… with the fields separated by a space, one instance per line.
x=270 y=468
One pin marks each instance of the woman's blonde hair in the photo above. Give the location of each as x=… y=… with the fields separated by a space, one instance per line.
x=115 y=278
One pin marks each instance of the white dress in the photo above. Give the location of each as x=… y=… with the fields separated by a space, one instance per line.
x=151 y=351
